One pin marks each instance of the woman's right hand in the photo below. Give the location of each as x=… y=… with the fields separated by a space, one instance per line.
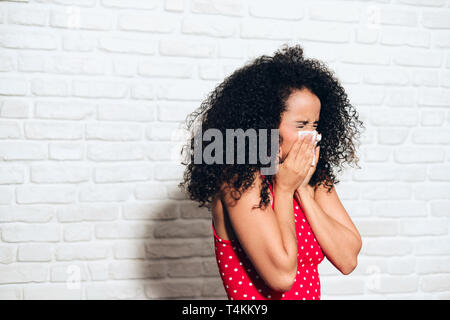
x=294 y=169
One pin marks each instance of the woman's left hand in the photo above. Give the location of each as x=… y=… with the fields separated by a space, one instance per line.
x=305 y=189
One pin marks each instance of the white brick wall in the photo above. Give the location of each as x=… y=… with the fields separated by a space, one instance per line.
x=92 y=94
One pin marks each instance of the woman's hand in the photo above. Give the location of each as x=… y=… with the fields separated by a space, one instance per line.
x=295 y=169
x=305 y=189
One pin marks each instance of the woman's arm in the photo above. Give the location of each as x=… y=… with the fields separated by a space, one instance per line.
x=333 y=229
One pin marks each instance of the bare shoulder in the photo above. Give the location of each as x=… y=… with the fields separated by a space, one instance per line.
x=227 y=190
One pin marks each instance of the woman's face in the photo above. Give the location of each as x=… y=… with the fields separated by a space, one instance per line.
x=302 y=114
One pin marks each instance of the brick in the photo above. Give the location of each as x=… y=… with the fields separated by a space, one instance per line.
x=440 y=208
x=80 y=212
x=122 y=173
x=132 y=4
x=23 y=273
x=7 y=254
x=49 y=87
x=7 y=63
x=383 y=191
x=174 y=5
x=337 y=13
x=431 y=246
x=10 y=130
x=102 y=193
x=150 y=191
x=423 y=227
x=70 y=273
x=426 y=191
x=89 y=21
x=430 y=265
x=128 y=112
x=11 y=174
x=432 y=117
x=143 y=91
x=129 y=250
x=182 y=229
x=433 y=97
x=399 y=17
x=27 y=214
x=82 y=251
x=115 y=291
x=128 y=44
x=418 y=154
x=431 y=3
x=6 y=195
x=137 y=270
x=436 y=19
x=178 y=90
x=392 y=135
x=387 y=246
x=394 y=77
x=186 y=48
x=395 y=284
x=255 y=29
x=405 y=37
x=64 y=110
x=11 y=292
x=99 y=89
x=19 y=232
x=28 y=17
x=173 y=289
x=213 y=27
x=112 y=230
x=147 y=23
x=377 y=227
x=32 y=40
x=52 y=292
x=108 y=151
x=77 y=232
x=78 y=42
x=15 y=109
x=98 y=270
x=59 y=173
x=35 y=252
x=163 y=69
x=435 y=283
x=341 y=286
x=376 y=172
x=45 y=194
x=431 y=136
x=426 y=78
x=65 y=150
x=222 y=7
x=39 y=130
x=168 y=172
x=177 y=249
x=151 y=210
x=113 y=132
x=13 y=87
x=285 y=10
x=401 y=265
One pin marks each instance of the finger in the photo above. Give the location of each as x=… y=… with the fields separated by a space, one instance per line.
x=303 y=150
x=295 y=147
x=316 y=157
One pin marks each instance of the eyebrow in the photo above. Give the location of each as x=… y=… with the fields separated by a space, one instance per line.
x=305 y=122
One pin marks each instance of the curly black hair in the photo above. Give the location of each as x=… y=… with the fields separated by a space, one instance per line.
x=254 y=96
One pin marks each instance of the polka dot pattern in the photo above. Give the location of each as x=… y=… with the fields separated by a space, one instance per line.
x=242 y=282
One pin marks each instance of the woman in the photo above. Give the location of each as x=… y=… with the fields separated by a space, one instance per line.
x=272 y=231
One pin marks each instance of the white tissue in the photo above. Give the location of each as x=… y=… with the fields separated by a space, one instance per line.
x=317 y=138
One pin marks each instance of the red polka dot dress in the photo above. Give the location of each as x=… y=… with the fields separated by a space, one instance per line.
x=242 y=282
